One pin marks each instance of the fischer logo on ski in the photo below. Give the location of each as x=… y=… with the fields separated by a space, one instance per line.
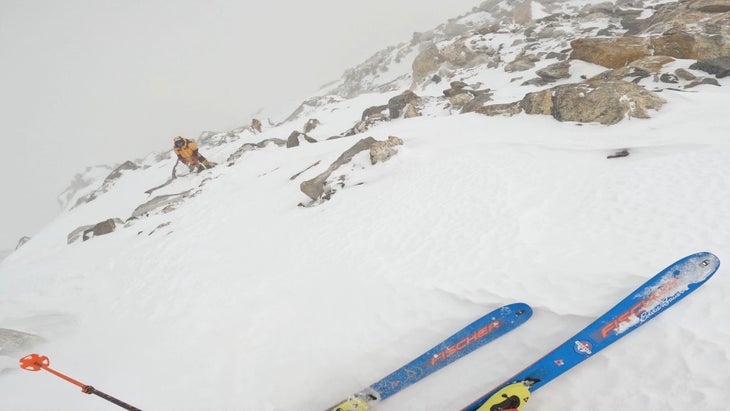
x=644 y=309
x=480 y=332
x=449 y=351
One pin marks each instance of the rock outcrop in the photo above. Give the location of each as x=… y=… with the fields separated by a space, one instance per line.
x=294 y=137
x=22 y=241
x=317 y=188
x=109 y=181
x=164 y=203
x=382 y=151
x=605 y=102
x=719 y=66
x=401 y=103
x=251 y=147
x=321 y=187
x=102 y=228
x=610 y=52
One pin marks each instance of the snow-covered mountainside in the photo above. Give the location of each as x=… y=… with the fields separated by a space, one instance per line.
x=557 y=153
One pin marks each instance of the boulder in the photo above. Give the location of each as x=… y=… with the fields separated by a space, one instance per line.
x=22 y=241
x=686 y=45
x=256 y=125
x=454 y=55
x=539 y=102
x=522 y=62
x=449 y=92
x=477 y=102
x=77 y=233
x=382 y=151
x=619 y=154
x=251 y=147
x=411 y=111
x=556 y=55
x=699 y=16
x=310 y=125
x=651 y=64
x=555 y=71
x=610 y=52
x=457 y=85
x=669 y=78
x=426 y=63
x=689 y=29
x=621 y=73
x=601 y=101
x=458 y=54
x=160 y=202
x=705 y=80
x=684 y=74
x=102 y=228
x=461 y=99
x=509 y=109
x=710 y=6
x=719 y=66
x=399 y=102
x=316 y=187
x=372 y=111
x=293 y=140
x=363 y=125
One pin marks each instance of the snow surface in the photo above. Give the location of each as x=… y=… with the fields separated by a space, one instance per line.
x=248 y=302
x=241 y=300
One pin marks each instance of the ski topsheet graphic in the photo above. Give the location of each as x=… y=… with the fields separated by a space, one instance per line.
x=486 y=329
x=656 y=295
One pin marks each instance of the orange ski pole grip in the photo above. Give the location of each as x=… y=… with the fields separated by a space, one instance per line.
x=35 y=362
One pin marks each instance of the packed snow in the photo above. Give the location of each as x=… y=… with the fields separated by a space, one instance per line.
x=241 y=299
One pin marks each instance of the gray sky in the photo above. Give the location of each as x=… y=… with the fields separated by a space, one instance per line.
x=86 y=82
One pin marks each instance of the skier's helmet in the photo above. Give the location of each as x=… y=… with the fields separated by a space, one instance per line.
x=179 y=141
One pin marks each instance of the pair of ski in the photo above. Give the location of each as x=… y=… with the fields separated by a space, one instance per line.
x=654 y=296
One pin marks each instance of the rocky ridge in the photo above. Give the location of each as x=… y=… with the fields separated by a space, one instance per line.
x=601 y=62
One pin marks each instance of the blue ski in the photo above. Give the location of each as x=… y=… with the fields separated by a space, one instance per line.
x=486 y=329
x=656 y=295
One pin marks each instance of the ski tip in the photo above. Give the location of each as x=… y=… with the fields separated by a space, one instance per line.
x=698 y=267
x=707 y=259
x=519 y=311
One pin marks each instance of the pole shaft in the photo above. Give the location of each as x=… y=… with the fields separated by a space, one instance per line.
x=91 y=390
x=65 y=377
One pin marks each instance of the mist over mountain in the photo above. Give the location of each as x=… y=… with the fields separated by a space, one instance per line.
x=553 y=152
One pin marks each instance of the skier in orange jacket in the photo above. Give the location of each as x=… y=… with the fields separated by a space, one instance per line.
x=187 y=153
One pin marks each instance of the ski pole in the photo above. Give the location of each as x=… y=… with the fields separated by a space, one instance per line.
x=35 y=362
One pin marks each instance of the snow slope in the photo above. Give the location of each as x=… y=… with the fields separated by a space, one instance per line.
x=239 y=299
x=248 y=302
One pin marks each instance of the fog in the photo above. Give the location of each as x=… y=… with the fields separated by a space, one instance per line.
x=99 y=82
